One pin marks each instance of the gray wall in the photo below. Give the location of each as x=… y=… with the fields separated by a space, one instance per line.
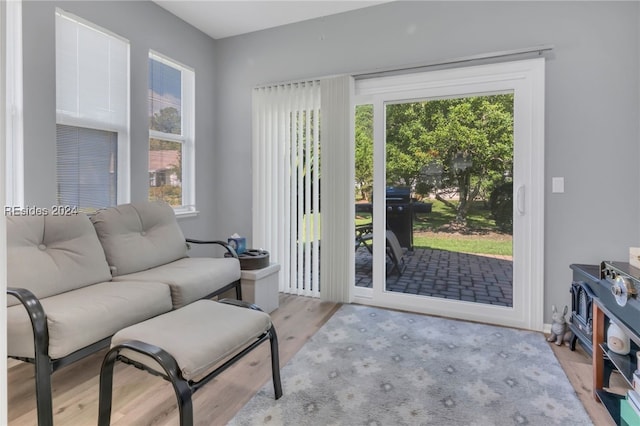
x=592 y=103
x=146 y=26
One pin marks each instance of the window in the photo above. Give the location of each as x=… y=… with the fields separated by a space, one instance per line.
x=171 y=133
x=12 y=85
x=92 y=114
x=87 y=162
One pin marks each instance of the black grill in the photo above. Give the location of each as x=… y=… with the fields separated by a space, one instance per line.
x=400 y=214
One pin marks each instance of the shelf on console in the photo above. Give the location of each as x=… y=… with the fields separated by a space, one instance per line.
x=611 y=401
x=625 y=364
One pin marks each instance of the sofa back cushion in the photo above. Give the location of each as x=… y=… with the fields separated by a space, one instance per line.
x=49 y=255
x=139 y=236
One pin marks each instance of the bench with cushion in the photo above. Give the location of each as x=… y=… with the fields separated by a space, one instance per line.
x=189 y=347
x=66 y=298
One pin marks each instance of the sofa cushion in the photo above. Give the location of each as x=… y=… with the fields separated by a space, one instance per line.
x=81 y=317
x=191 y=278
x=50 y=255
x=139 y=236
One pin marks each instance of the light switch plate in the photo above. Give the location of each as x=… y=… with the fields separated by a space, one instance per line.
x=557 y=184
x=634 y=256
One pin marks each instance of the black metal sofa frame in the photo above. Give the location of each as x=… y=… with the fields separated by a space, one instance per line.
x=45 y=366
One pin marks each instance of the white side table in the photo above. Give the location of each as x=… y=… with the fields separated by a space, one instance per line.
x=260 y=286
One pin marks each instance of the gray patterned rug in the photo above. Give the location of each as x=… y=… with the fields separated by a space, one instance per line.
x=370 y=366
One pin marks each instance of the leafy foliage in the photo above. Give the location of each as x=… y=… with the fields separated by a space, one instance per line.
x=458 y=146
x=169 y=193
x=167 y=120
x=364 y=151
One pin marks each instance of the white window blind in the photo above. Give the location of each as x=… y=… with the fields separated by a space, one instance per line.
x=92 y=75
x=87 y=161
x=92 y=113
x=286 y=182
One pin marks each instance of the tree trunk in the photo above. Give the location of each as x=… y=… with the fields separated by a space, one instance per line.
x=464 y=183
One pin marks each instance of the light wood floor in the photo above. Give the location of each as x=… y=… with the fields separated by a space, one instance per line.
x=143 y=399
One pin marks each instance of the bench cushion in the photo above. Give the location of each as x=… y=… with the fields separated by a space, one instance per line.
x=198 y=336
x=50 y=255
x=139 y=236
x=87 y=315
x=191 y=278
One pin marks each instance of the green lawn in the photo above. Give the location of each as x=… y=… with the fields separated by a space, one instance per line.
x=433 y=230
x=477 y=245
x=479 y=217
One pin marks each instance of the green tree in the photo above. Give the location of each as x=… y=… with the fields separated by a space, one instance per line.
x=364 y=151
x=469 y=140
x=475 y=140
x=167 y=120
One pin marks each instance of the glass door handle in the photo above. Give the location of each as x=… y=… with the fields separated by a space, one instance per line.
x=520 y=200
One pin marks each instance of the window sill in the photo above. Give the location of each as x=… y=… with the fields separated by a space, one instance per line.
x=186 y=213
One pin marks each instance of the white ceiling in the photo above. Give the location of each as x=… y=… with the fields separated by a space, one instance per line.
x=221 y=19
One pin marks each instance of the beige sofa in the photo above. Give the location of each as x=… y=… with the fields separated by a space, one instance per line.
x=74 y=281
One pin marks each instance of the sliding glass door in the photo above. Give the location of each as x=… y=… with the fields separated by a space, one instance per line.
x=448 y=168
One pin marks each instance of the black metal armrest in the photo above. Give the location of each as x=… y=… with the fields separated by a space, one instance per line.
x=41 y=358
x=37 y=316
x=240 y=304
x=34 y=309
x=229 y=249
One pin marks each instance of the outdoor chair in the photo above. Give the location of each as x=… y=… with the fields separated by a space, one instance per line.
x=364 y=236
x=395 y=253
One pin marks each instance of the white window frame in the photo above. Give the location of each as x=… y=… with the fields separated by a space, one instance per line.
x=526 y=79
x=123 y=180
x=187 y=138
x=5 y=42
x=12 y=82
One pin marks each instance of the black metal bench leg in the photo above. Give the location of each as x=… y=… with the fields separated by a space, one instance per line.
x=185 y=404
x=106 y=387
x=275 y=363
x=181 y=387
x=44 y=398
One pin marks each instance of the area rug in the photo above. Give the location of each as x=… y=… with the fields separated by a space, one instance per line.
x=370 y=366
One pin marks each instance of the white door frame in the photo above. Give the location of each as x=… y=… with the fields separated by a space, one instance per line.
x=526 y=80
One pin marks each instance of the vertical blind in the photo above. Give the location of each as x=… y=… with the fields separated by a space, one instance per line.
x=338 y=171
x=286 y=182
x=303 y=161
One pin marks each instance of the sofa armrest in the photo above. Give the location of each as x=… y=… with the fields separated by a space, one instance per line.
x=37 y=316
x=229 y=249
x=41 y=359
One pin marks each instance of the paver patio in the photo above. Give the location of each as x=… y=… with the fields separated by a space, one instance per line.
x=451 y=275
